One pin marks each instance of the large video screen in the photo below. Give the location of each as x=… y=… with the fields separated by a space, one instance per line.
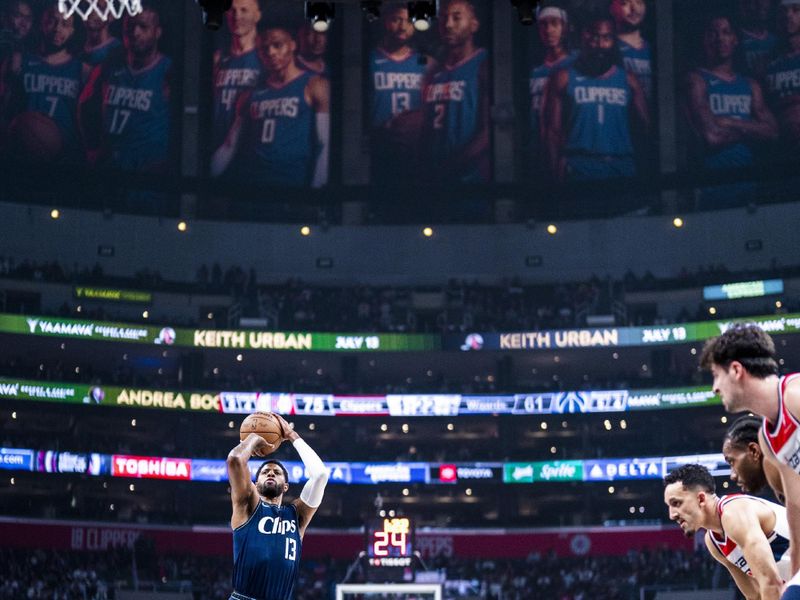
x=428 y=95
x=587 y=93
x=99 y=94
x=271 y=97
x=738 y=65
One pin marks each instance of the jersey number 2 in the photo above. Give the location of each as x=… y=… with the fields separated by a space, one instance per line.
x=290 y=551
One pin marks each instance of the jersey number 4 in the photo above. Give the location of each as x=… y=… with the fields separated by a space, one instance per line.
x=290 y=550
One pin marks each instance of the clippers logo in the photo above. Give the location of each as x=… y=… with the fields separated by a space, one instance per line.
x=448 y=473
x=276 y=525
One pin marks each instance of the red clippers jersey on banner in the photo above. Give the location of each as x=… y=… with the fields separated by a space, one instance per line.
x=784 y=436
x=778 y=539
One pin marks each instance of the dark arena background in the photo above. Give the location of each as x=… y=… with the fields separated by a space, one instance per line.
x=478 y=288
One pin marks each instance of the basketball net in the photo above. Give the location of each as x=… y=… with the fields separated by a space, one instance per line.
x=102 y=8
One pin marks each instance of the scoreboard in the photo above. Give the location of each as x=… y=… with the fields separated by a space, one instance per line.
x=390 y=542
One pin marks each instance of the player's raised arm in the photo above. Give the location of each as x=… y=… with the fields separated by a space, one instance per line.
x=223 y=155
x=244 y=496
x=741 y=523
x=311 y=496
x=746 y=584
x=319 y=95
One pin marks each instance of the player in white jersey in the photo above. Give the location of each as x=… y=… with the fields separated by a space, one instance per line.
x=742 y=362
x=747 y=535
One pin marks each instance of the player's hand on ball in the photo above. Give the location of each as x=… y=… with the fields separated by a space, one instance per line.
x=261 y=447
x=287 y=430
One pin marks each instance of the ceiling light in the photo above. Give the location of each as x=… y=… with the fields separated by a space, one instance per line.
x=320 y=14
x=421 y=14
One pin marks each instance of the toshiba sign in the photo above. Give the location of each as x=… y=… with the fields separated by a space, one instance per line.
x=151 y=467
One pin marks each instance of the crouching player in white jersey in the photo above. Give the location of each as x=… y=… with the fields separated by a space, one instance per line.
x=746 y=534
x=268 y=535
x=743 y=363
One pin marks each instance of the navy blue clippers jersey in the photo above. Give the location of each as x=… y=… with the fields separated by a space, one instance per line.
x=53 y=90
x=279 y=129
x=732 y=99
x=233 y=75
x=599 y=114
x=452 y=103
x=136 y=114
x=396 y=85
x=266 y=553
x=783 y=78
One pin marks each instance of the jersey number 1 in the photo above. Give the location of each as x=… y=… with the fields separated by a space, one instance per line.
x=290 y=551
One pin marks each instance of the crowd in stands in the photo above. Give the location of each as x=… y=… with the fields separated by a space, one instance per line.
x=49 y=575
x=457 y=306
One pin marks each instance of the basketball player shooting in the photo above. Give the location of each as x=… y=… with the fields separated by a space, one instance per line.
x=747 y=535
x=268 y=535
x=742 y=362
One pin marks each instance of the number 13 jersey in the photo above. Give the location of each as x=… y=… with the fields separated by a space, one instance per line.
x=266 y=553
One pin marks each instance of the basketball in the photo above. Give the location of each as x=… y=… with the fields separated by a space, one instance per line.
x=35 y=137
x=263 y=424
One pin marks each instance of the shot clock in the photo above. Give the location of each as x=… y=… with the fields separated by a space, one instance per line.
x=390 y=542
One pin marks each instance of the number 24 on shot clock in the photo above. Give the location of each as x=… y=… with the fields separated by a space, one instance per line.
x=389 y=538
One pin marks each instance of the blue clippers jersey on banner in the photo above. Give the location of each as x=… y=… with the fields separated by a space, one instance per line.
x=53 y=90
x=136 y=115
x=639 y=61
x=452 y=100
x=266 y=553
x=280 y=127
x=783 y=78
x=233 y=75
x=100 y=53
x=599 y=113
x=732 y=99
x=536 y=84
x=396 y=85
x=758 y=51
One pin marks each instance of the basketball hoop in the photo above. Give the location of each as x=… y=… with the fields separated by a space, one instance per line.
x=104 y=9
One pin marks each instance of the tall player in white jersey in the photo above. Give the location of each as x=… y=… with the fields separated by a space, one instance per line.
x=742 y=362
x=747 y=535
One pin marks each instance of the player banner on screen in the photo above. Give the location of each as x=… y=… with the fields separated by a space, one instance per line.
x=271 y=98
x=101 y=93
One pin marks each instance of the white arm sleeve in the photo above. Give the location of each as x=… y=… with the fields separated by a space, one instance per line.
x=317 y=474
x=323 y=127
